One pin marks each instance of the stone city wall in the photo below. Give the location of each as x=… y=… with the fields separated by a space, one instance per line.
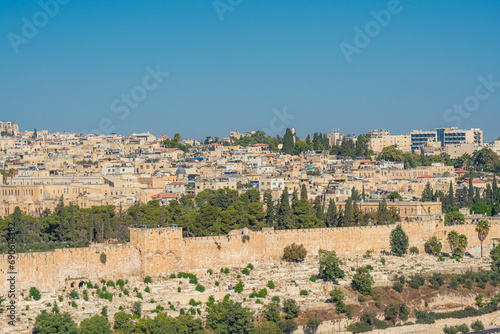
x=160 y=251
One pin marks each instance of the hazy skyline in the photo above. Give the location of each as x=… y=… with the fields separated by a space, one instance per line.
x=78 y=66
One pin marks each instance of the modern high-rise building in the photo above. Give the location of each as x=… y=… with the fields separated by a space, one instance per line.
x=455 y=136
x=446 y=136
x=420 y=138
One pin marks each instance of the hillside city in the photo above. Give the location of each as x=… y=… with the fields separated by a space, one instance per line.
x=428 y=203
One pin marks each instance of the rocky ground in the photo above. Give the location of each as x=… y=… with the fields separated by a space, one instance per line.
x=289 y=279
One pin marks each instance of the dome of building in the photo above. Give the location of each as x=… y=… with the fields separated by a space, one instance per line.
x=180 y=170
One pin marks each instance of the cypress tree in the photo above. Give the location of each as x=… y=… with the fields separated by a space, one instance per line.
x=295 y=197
x=284 y=209
x=90 y=227
x=318 y=207
x=496 y=194
x=270 y=208
x=331 y=214
x=451 y=196
x=72 y=222
x=303 y=192
x=348 y=213
x=471 y=192
x=288 y=144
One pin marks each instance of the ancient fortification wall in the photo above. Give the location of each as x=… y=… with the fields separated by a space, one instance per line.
x=158 y=252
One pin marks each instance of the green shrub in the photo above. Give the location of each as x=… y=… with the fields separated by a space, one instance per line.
x=193 y=302
x=303 y=293
x=382 y=260
x=477 y=326
x=313 y=278
x=120 y=283
x=362 y=281
x=276 y=299
x=416 y=281
x=110 y=283
x=380 y=324
x=173 y=276
x=35 y=293
x=73 y=304
x=291 y=309
x=200 y=288
x=147 y=290
x=270 y=285
x=148 y=280
x=359 y=327
x=414 y=250
x=369 y=267
x=73 y=294
x=250 y=266
x=398 y=287
x=294 y=253
x=361 y=299
x=313 y=323
x=245 y=271
x=453 y=283
x=238 y=288
x=437 y=280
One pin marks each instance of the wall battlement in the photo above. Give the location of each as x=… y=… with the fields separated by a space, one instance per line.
x=160 y=251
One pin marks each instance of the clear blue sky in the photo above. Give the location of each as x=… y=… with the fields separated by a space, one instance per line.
x=231 y=73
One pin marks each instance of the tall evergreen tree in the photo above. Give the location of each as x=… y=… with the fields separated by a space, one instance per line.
x=303 y=192
x=318 y=208
x=428 y=193
x=363 y=194
x=270 y=214
x=295 y=197
x=348 y=213
x=331 y=214
x=284 y=209
x=383 y=215
x=288 y=144
x=471 y=192
x=489 y=195
x=451 y=196
x=90 y=227
x=72 y=222
x=496 y=194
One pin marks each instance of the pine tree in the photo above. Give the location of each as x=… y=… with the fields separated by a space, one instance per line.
x=288 y=144
x=427 y=194
x=363 y=195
